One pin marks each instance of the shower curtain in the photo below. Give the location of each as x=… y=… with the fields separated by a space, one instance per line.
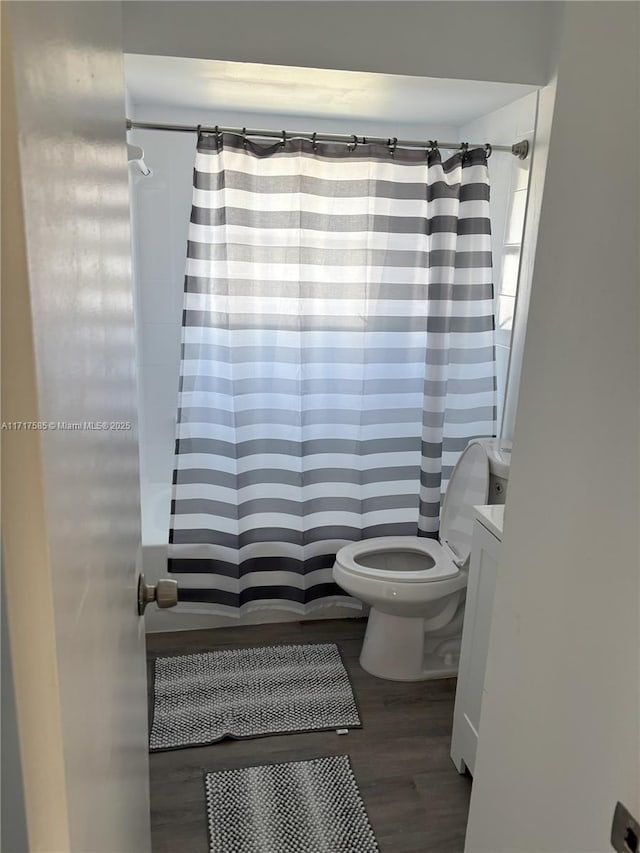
x=337 y=356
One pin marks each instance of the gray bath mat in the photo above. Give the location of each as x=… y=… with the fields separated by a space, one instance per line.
x=199 y=699
x=298 y=807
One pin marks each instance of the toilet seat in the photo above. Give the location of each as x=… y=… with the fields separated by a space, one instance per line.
x=352 y=557
x=415 y=586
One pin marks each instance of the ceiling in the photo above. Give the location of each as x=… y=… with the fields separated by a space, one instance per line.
x=168 y=81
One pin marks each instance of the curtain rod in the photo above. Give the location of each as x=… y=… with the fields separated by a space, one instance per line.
x=518 y=149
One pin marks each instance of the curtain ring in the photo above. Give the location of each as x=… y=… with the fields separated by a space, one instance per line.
x=244 y=138
x=314 y=143
x=393 y=144
x=284 y=138
x=488 y=150
x=464 y=148
x=433 y=146
x=354 y=142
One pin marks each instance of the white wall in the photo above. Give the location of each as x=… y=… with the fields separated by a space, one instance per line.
x=537 y=174
x=509 y=185
x=559 y=741
x=507 y=42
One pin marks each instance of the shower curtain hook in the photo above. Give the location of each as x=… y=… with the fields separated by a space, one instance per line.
x=354 y=142
x=464 y=148
x=393 y=144
x=284 y=138
x=488 y=150
x=314 y=143
x=244 y=138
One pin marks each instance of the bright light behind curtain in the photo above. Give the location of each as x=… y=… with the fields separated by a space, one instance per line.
x=338 y=354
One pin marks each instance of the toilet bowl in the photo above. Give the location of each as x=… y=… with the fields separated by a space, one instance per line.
x=416 y=586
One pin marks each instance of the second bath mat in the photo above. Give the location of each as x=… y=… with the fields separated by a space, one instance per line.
x=243 y=693
x=297 y=807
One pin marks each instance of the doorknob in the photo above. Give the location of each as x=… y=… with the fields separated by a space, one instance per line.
x=164 y=593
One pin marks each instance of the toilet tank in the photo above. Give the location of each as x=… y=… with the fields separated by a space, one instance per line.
x=499 y=453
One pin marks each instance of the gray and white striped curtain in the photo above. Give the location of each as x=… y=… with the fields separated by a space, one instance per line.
x=338 y=355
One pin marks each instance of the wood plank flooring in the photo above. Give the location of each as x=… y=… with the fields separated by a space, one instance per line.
x=416 y=800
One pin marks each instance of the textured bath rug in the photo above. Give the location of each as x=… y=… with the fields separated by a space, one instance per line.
x=298 y=807
x=199 y=699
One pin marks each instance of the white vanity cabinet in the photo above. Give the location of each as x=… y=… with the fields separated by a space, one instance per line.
x=485 y=552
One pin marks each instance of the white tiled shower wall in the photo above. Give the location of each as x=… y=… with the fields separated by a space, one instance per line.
x=509 y=183
x=161 y=206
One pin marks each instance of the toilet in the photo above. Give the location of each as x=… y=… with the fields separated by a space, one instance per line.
x=415 y=586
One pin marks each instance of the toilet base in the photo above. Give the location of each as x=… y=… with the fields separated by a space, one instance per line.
x=396 y=648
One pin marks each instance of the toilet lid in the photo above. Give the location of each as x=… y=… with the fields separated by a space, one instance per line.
x=468 y=486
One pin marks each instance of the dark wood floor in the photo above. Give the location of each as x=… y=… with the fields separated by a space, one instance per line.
x=417 y=802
